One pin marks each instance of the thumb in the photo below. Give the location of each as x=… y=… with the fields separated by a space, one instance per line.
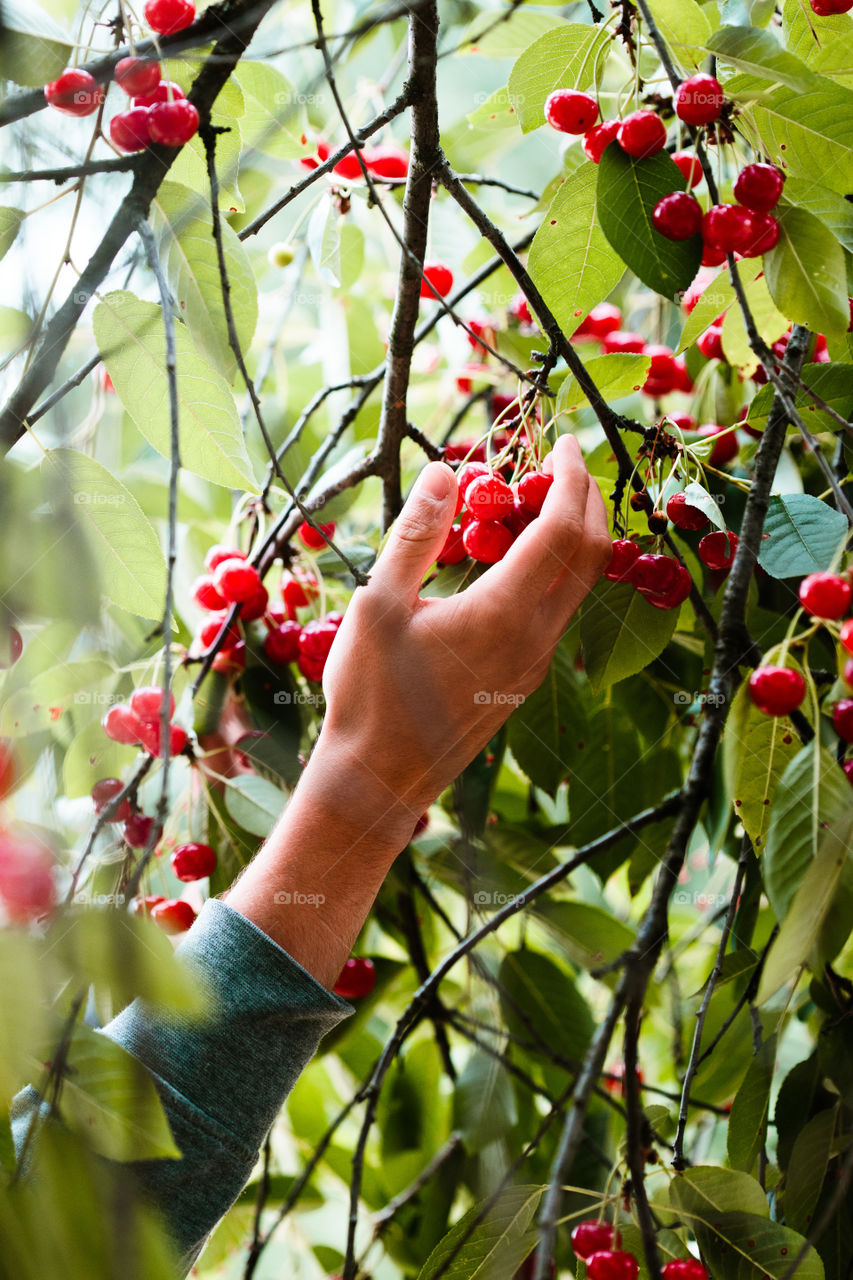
x=419 y=532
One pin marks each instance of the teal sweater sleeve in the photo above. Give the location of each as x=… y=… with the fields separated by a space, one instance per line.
x=222 y=1082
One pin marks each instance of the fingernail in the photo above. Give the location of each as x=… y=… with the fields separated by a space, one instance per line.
x=434 y=481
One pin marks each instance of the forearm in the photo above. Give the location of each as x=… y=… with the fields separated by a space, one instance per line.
x=312 y=885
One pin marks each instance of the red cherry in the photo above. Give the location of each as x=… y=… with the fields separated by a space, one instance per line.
x=440 y=277
x=166 y=91
x=759 y=234
x=313 y=538
x=236 y=580
x=622 y=340
x=710 y=343
x=642 y=134
x=591 y=1236
x=173 y=915
x=75 y=93
x=230 y=660
x=601 y=321
x=137 y=76
x=487 y=541
x=612 y=1264
x=723 y=227
x=690 y=167
x=759 y=186
x=152 y=740
x=387 y=162
x=465 y=477
x=663 y=371
x=683 y=515
x=315 y=641
x=172 y=123
x=683 y=380
x=205 y=594
x=219 y=552
x=356 y=979
x=570 y=111
x=106 y=790
x=533 y=490
x=684 y=1269
x=597 y=139
x=349 y=167
x=726 y=447
x=281 y=645
x=137 y=830
x=11 y=646
x=654 y=573
x=129 y=129
x=296 y=591
x=717 y=550
x=211 y=629
x=27 y=889
x=193 y=861
x=846 y=636
x=623 y=556
x=685 y=421
x=829 y=8
x=520 y=310
x=453 y=551
x=699 y=100
x=848 y=770
x=673 y=596
x=825 y=595
x=167 y=16
x=712 y=257
x=309 y=162
x=147 y=704
x=777 y=690
x=489 y=498
x=842 y=719
x=678 y=216
x=122 y=726
x=144 y=906
x=256 y=606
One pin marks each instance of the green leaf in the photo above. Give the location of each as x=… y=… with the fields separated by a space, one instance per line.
x=483 y=1101
x=737 y=1245
x=569 y=57
x=807 y=1169
x=756 y=751
x=10 y=225
x=109 y=1098
x=570 y=260
x=717 y=299
x=189 y=168
x=129 y=333
x=832 y=382
x=600 y=794
x=550 y=1000
x=508 y=38
x=746 y=1132
x=759 y=53
x=685 y=26
x=809 y=908
x=803 y=536
x=188 y=253
x=495 y=1248
x=805 y=273
x=811 y=131
x=832 y=209
x=124 y=544
x=811 y=792
x=621 y=633
x=254 y=803
x=92 y=755
x=707 y=1190
x=34 y=49
x=616 y=375
x=324 y=241
x=545 y=729
x=23 y=1007
x=589 y=936
x=699 y=497
x=769 y=322
x=273 y=118
x=628 y=191
x=824 y=45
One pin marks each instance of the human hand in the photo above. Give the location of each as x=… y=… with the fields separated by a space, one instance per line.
x=416 y=687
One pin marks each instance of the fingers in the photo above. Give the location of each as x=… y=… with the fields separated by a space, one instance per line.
x=570 y=587
x=418 y=534
x=550 y=543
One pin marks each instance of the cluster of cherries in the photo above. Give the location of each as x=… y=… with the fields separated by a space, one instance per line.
x=777 y=691
x=138 y=722
x=159 y=111
x=597 y=1244
x=492 y=510
x=230 y=580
